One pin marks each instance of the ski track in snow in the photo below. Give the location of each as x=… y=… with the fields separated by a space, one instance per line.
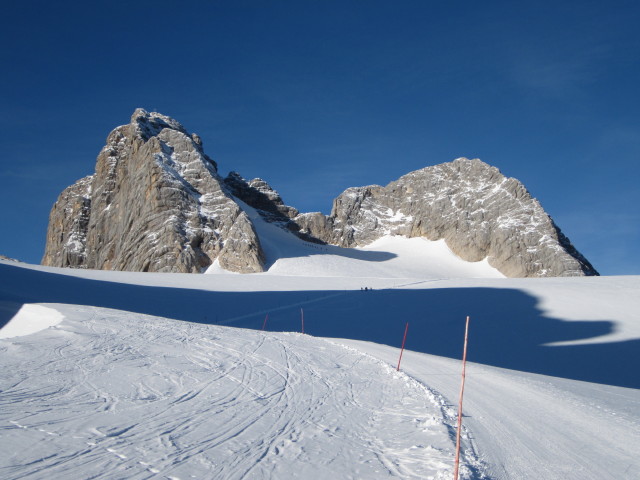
x=535 y=426
x=111 y=395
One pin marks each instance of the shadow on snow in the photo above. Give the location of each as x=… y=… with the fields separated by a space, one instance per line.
x=507 y=330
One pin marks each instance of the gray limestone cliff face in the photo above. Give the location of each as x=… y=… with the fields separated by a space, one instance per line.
x=478 y=211
x=68 y=222
x=260 y=195
x=155 y=203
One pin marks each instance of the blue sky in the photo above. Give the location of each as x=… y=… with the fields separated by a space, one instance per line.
x=318 y=96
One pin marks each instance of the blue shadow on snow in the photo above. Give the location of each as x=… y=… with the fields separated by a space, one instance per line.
x=507 y=330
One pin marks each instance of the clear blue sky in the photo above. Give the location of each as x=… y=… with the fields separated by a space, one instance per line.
x=318 y=96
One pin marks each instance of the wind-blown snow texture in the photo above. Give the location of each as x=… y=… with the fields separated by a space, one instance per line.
x=122 y=395
x=157 y=204
x=551 y=394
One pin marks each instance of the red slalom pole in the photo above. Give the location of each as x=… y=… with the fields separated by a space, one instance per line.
x=264 y=324
x=302 y=317
x=404 y=339
x=464 y=364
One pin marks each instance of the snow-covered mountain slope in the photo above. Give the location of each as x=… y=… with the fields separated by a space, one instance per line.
x=552 y=392
x=576 y=328
x=479 y=212
x=535 y=426
x=387 y=257
x=109 y=394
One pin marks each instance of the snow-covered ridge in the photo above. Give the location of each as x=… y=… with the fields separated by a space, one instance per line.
x=30 y=319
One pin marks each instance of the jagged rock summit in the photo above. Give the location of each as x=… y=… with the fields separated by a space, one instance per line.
x=157 y=203
x=478 y=211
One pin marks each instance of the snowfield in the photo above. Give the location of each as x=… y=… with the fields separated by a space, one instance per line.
x=132 y=396
x=116 y=375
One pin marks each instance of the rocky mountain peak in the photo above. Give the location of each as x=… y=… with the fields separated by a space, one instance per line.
x=260 y=195
x=149 y=125
x=157 y=203
x=477 y=210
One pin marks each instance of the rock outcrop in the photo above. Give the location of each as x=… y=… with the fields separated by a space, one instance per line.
x=260 y=195
x=155 y=203
x=68 y=223
x=477 y=210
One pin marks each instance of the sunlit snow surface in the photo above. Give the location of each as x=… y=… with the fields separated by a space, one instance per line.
x=111 y=392
x=31 y=319
x=387 y=257
x=125 y=395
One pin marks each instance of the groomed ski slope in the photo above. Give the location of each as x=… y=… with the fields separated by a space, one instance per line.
x=530 y=426
x=110 y=394
x=552 y=391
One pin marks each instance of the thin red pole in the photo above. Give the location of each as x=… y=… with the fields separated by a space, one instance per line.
x=464 y=364
x=404 y=339
x=302 y=317
x=264 y=324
